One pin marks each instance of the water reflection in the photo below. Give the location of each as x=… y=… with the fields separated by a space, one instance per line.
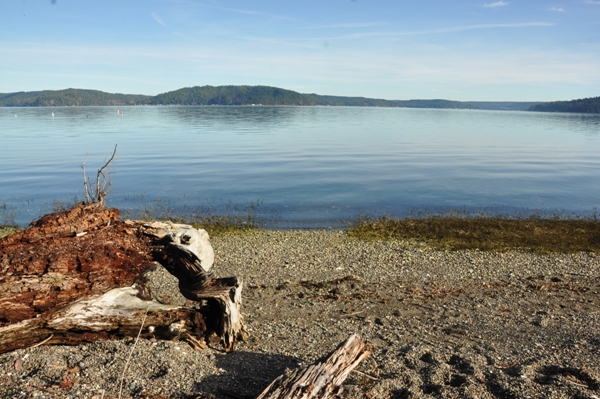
x=314 y=165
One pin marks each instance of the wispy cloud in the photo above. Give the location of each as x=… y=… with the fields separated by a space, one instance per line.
x=595 y=2
x=392 y=34
x=249 y=12
x=281 y=42
x=349 y=25
x=487 y=26
x=495 y=4
x=556 y=9
x=441 y=30
x=157 y=19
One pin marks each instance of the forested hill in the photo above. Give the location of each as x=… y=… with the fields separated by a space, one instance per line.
x=232 y=95
x=69 y=97
x=585 y=105
x=266 y=95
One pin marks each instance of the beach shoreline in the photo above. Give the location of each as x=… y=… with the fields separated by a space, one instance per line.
x=447 y=324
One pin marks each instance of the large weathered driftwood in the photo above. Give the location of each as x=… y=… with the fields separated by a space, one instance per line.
x=80 y=275
x=323 y=379
x=223 y=295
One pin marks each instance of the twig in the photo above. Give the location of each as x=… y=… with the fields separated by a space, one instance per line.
x=352 y=314
x=579 y=383
x=365 y=375
x=97 y=192
x=374 y=362
x=41 y=342
x=131 y=351
x=101 y=186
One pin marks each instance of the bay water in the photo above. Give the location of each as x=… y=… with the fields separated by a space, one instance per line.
x=305 y=167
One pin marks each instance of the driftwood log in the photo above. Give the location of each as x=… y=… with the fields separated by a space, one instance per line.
x=324 y=378
x=80 y=275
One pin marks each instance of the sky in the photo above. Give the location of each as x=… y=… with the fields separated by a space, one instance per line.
x=479 y=50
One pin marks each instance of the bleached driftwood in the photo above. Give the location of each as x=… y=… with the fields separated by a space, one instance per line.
x=324 y=378
x=81 y=275
x=186 y=255
x=114 y=314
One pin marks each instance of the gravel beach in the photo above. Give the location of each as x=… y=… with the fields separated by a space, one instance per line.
x=442 y=324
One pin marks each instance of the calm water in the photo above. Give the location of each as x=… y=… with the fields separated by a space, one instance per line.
x=313 y=166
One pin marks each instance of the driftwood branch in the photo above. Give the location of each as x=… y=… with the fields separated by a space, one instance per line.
x=99 y=192
x=101 y=183
x=81 y=275
x=324 y=378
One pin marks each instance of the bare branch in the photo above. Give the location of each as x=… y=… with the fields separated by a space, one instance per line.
x=110 y=160
x=97 y=192
x=86 y=182
x=101 y=184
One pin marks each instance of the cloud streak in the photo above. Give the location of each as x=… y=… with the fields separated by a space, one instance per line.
x=556 y=9
x=442 y=30
x=495 y=4
x=158 y=19
x=349 y=25
x=485 y=26
x=250 y=12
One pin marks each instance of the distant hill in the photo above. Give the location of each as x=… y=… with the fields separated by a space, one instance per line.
x=266 y=95
x=436 y=103
x=585 y=105
x=69 y=97
x=233 y=95
x=501 y=105
x=374 y=102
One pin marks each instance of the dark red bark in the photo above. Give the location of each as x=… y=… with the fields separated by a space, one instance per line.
x=67 y=255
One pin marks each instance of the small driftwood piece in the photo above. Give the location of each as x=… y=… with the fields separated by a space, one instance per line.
x=81 y=275
x=324 y=378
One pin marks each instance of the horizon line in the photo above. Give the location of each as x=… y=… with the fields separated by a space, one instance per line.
x=276 y=87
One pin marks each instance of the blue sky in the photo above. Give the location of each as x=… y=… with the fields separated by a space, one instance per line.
x=519 y=50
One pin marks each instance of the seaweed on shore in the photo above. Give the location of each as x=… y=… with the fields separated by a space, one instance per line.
x=555 y=235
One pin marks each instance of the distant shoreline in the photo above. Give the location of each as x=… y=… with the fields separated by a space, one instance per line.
x=235 y=96
x=271 y=96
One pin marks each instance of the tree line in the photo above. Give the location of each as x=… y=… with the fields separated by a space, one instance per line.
x=584 y=105
x=69 y=97
x=232 y=95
